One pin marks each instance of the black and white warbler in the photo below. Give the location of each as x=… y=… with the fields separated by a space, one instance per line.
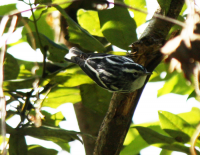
x=114 y=73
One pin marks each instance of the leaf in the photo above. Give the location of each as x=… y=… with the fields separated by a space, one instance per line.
x=183 y=9
x=139 y=17
x=51 y=133
x=135 y=146
x=56 y=52
x=64 y=146
x=118 y=27
x=39 y=150
x=80 y=36
x=176 y=84
x=71 y=77
x=152 y=137
x=11 y=67
x=61 y=95
x=42 y=24
x=12 y=85
x=95 y=98
x=161 y=68
x=89 y=20
x=192 y=117
x=62 y=3
x=175 y=126
x=175 y=147
x=5 y=9
x=165 y=5
x=165 y=152
x=17 y=144
x=52 y=120
x=42 y=1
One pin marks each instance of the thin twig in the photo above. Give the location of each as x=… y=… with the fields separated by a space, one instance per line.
x=194 y=139
x=171 y=20
x=40 y=43
x=3 y=24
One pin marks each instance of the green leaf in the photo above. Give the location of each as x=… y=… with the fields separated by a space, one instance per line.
x=50 y=133
x=56 y=52
x=165 y=5
x=152 y=137
x=89 y=20
x=42 y=1
x=139 y=17
x=62 y=3
x=71 y=77
x=64 y=146
x=11 y=67
x=80 y=36
x=5 y=9
x=42 y=25
x=176 y=84
x=183 y=9
x=52 y=120
x=39 y=150
x=12 y=85
x=175 y=126
x=61 y=95
x=135 y=146
x=118 y=27
x=98 y=99
x=192 y=117
x=17 y=144
x=161 y=68
x=175 y=147
x=165 y=152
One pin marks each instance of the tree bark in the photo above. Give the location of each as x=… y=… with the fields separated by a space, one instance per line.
x=122 y=106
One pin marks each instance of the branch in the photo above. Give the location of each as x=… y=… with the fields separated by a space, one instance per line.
x=122 y=106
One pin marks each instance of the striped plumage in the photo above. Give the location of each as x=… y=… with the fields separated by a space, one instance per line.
x=114 y=73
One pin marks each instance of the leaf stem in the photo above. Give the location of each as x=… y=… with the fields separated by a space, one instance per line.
x=40 y=43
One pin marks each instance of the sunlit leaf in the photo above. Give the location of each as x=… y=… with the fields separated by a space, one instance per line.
x=52 y=120
x=118 y=27
x=135 y=146
x=61 y=95
x=176 y=84
x=152 y=137
x=80 y=36
x=176 y=127
x=39 y=150
x=89 y=20
x=139 y=17
x=5 y=9
x=175 y=147
x=165 y=152
x=192 y=117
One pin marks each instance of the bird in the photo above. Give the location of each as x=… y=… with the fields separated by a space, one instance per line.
x=111 y=72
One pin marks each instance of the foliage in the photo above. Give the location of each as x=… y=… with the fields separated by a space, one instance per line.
x=68 y=83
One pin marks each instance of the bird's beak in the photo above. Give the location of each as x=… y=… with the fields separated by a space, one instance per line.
x=147 y=73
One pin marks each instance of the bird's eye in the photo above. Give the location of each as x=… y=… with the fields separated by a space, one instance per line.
x=135 y=74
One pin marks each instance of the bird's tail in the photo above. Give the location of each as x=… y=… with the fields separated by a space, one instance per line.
x=75 y=54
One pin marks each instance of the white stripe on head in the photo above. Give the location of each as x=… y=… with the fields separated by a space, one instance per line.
x=129 y=70
x=70 y=55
